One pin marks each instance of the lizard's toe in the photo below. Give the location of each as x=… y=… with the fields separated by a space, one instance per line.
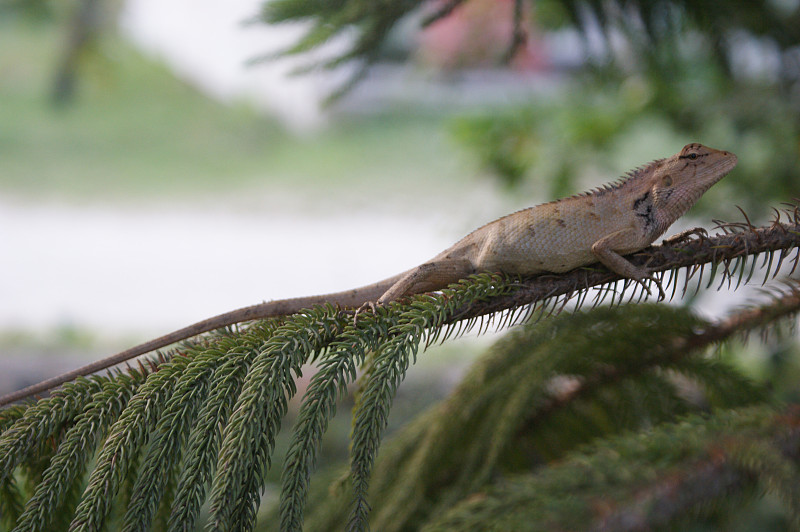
x=661 y=294
x=645 y=283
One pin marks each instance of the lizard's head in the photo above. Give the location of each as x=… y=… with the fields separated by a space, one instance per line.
x=679 y=181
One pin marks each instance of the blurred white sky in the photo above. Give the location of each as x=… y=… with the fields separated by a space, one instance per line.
x=207 y=43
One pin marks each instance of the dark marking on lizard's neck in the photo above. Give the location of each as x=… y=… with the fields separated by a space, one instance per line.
x=643 y=208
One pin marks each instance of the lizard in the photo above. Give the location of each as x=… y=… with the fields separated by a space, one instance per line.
x=601 y=225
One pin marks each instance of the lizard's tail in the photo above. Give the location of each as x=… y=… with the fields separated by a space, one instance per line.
x=348 y=299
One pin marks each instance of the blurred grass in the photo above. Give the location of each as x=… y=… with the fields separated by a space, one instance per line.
x=135 y=129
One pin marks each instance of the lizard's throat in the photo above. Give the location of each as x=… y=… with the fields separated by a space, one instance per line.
x=672 y=204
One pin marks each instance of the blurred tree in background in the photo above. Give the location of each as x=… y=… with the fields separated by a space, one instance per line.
x=726 y=73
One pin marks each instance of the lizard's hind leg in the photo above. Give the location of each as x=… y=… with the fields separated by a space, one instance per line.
x=428 y=277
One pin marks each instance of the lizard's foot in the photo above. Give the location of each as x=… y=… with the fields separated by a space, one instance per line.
x=369 y=305
x=683 y=236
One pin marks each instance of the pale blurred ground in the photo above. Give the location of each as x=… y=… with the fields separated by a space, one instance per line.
x=146 y=271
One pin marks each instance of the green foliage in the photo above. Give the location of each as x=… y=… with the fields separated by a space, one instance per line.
x=382 y=333
x=337 y=367
x=650 y=36
x=205 y=437
x=123 y=444
x=61 y=483
x=249 y=436
x=169 y=436
x=555 y=141
x=41 y=421
x=504 y=143
x=621 y=115
x=537 y=395
x=654 y=70
x=651 y=26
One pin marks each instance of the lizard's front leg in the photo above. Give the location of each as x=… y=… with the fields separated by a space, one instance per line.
x=604 y=250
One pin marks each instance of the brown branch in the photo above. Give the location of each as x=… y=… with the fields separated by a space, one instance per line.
x=748 y=319
x=84 y=28
x=442 y=12
x=672 y=496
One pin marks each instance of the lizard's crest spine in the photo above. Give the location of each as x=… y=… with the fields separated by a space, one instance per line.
x=631 y=177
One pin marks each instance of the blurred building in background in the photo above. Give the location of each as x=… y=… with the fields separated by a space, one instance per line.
x=213 y=45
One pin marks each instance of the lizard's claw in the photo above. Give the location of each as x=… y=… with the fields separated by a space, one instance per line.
x=662 y=296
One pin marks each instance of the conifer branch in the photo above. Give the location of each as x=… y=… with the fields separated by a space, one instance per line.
x=123 y=444
x=372 y=21
x=336 y=368
x=680 y=350
x=387 y=370
x=161 y=520
x=10 y=415
x=545 y=388
x=167 y=439
x=204 y=440
x=733 y=465
x=42 y=420
x=12 y=503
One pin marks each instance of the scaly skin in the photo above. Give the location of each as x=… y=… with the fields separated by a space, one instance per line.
x=601 y=225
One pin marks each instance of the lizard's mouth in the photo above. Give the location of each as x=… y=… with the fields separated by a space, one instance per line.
x=720 y=168
x=729 y=162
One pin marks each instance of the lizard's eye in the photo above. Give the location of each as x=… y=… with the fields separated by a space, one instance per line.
x=693 y=156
